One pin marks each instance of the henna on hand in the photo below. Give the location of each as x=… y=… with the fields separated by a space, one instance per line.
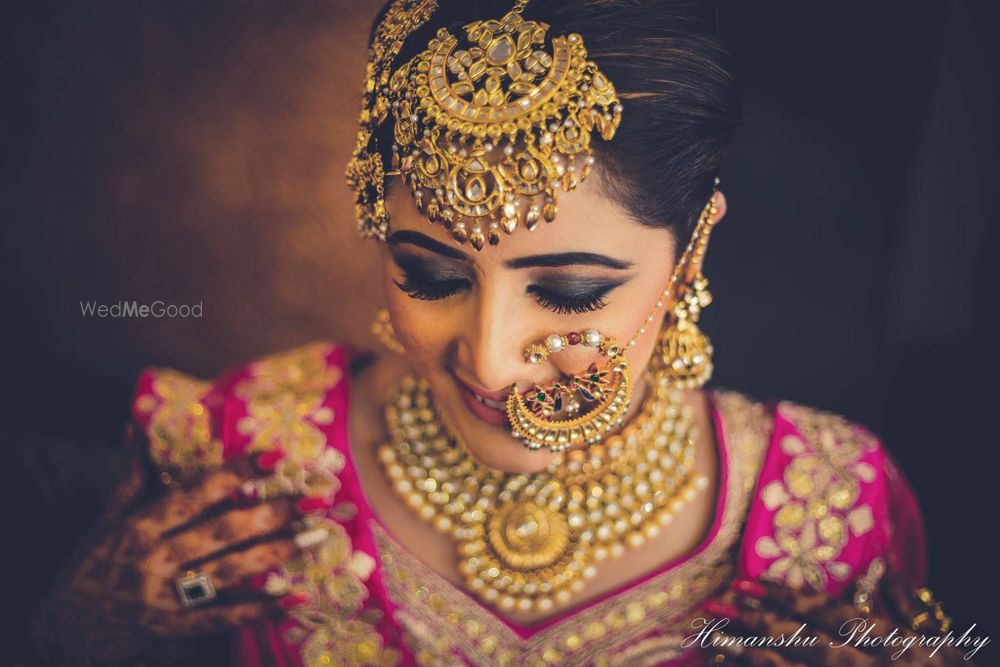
x=117 y=596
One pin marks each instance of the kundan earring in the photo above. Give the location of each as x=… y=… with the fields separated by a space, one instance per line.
x=683 y=354
x=553 y=417
x=384 y=333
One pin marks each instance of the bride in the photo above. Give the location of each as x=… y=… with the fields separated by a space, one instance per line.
x=524 y=467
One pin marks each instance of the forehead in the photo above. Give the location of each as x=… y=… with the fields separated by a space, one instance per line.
x=587 y=221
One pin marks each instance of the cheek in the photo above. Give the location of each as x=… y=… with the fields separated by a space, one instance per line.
x=417 y=324
x=643 y=302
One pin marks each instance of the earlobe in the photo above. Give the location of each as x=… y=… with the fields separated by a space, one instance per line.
x=720 y=206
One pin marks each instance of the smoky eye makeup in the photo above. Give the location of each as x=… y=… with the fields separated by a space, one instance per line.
x=433 y=279
x=567 y=295
x=427 y=279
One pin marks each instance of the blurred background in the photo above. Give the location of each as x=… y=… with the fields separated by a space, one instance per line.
x=193 y=152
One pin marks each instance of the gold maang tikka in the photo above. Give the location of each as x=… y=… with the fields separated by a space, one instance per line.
x=486 y=127
x=552 y=416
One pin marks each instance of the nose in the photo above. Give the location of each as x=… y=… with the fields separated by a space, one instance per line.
x=492 y=345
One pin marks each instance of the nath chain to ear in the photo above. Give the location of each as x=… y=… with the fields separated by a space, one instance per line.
x=554 y=416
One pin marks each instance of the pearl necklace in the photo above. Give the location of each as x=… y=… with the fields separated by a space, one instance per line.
x=530 y=541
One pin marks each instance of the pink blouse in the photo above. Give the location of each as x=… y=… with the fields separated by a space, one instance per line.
x=805 y=498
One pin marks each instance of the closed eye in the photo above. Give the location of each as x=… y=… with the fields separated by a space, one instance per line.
x=427 y=283
x=586 y=298
x=431 y=290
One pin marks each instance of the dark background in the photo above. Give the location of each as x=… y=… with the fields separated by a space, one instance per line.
x=194 y=151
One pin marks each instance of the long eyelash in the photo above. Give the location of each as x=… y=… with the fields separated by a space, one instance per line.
x=565 y=307
x=430 y=290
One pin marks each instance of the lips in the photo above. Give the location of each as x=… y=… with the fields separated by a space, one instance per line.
x=490 y=403
x=490 y=407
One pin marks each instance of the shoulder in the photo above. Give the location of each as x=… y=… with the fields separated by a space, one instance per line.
x=828 y=504
x=291 y=397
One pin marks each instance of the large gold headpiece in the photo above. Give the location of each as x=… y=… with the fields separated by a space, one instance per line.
x=485 y=127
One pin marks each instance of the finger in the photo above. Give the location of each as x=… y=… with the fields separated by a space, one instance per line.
x=202 y=536
x=237 y=571
x=210 y=619
x=231 y=608
x=304 y=534
x=262 y=486
x=186 y=506
x=217 y=490
x=235 y=527
x=232 y=581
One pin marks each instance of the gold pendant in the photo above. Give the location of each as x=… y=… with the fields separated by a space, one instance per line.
x=526 y=536
x=531 y=541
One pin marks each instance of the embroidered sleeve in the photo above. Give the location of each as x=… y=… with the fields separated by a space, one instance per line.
x=283 y=401
x=179 y=416
x=821 y=514
x=296 y=404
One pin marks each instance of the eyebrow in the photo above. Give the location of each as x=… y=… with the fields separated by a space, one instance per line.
x=546 y=260
x=426 y=242
x=567 y=259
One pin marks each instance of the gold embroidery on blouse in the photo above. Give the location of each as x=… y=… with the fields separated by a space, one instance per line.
x=179 y=430
x=816 y=499
x=333 y=630
x=643 y=625
x=284 y=397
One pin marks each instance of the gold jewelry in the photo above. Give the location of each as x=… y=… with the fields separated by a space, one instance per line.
x=482 y=124
x=683 y=358
x=934 y=607
x=862 y=601
x=384 y=333
x=683 y=354
x=195 y=589
x=535 y=416
x=531 y=541
x=366 y=172
x=537 y=353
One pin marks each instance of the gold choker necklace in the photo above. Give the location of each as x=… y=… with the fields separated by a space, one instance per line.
x=530 y=541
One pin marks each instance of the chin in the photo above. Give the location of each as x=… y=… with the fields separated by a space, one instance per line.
x=483 y=434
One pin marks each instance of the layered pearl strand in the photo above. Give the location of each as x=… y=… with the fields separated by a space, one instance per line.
x=530 y=541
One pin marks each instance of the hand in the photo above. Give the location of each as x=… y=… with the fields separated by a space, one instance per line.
x=767 y=609
x=120 y=594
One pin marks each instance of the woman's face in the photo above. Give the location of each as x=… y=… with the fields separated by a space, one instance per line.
x=465 y=317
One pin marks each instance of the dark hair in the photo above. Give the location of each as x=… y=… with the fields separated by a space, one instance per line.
x=675 y=79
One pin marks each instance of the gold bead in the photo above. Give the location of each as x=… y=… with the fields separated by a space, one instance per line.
x=615 y=494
